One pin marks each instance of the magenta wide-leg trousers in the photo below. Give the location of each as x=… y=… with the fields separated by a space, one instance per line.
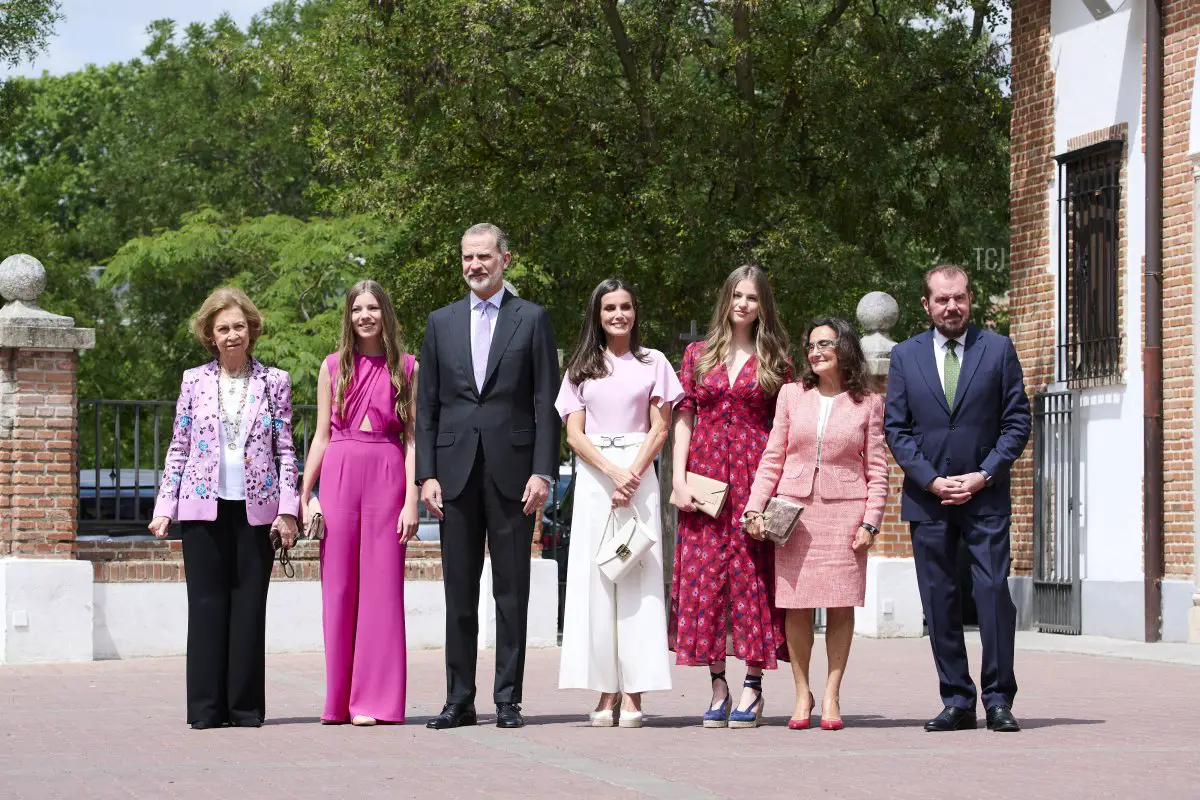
x=362 y=576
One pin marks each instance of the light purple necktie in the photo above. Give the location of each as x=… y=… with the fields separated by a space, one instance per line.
x=481 y=342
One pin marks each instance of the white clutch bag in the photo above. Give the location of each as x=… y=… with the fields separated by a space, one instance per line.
x=622 y=546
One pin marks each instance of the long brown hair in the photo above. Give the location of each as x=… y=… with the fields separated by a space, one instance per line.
x=770 y=339
x=587 y=362
x=856 y=377
x=393 y=350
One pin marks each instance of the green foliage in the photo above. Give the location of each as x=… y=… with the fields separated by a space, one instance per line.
x=297 y=272
x=844 y=146
x=94 y=159
x=24 y=27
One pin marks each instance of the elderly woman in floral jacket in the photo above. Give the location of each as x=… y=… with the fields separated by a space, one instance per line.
x=230 y=478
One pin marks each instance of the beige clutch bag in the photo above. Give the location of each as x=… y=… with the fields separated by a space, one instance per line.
x=316 y=526
x=710 y=494
x=780 y=519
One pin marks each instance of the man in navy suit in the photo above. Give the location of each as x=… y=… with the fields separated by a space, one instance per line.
x=957 y=418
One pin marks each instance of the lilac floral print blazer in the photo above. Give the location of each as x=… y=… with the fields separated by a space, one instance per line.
x=189 y=483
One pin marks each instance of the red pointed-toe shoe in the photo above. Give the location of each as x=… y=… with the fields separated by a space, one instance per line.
x=831 y=724
x=806 y=723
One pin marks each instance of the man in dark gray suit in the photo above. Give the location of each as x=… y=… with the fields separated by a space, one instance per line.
x=957 y=419
x=487 y=446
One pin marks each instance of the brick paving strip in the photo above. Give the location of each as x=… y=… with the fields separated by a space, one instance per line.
x=1097 y=725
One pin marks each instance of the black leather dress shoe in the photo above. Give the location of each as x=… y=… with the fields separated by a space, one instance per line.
x=1000 y=718
x=952 y=719
x=454 y=715
x=508 y=715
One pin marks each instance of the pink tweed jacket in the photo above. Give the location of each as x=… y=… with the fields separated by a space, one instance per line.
x=853 y=459
x=189 y=484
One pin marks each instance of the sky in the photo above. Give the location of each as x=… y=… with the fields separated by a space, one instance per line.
x=104 y=31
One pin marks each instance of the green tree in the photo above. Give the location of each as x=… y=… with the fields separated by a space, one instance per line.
x=93 y=159
x=25 y=25
x=844 y=146
x=296 y=271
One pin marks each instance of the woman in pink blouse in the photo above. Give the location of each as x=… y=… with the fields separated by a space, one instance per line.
x=616 y=400
x=825 y=452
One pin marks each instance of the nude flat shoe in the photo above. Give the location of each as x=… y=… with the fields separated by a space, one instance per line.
x=363 y=721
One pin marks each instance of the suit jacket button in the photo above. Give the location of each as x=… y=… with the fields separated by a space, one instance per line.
x=952 y=427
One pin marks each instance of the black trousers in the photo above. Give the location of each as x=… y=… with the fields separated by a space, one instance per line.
x=227 y=563
x=936 y=549
x=481 y=513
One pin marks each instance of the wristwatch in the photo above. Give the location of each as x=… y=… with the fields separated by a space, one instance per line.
x=988 y=480
x=869 y=528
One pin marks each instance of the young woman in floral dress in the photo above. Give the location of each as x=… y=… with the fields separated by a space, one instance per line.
x=722 y=577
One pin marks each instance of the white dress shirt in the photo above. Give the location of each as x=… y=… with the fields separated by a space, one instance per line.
x=939 y=352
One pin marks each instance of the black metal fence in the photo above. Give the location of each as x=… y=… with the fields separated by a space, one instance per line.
x=1056 y=578
x=122 y=449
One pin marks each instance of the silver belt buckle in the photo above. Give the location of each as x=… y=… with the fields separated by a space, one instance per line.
x=611 y=441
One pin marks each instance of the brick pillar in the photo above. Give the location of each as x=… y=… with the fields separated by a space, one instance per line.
x=893 y=605
x=45 y=594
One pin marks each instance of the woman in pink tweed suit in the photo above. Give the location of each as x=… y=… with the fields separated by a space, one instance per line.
x=826 y=452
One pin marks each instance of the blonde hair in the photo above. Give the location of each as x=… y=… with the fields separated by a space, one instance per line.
x=222 y=299
x=393 y=350
x=770 y=339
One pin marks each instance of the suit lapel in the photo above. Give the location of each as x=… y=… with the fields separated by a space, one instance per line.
x=928 y=366
x=972 y=356
x=461 y=341
x=507 y=322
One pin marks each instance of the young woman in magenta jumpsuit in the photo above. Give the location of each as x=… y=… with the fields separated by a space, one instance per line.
x=363 y=453
x=722 y=576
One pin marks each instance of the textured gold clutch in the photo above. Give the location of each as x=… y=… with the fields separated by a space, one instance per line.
x=780 y=519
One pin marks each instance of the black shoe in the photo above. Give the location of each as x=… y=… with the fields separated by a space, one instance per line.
x=1000 y=718
x=248 y=722
x=508 y=715
x=952 y=719
x=454 y=715
x=206 y=724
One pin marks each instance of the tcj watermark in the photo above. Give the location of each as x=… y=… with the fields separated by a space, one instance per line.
x=991 y=258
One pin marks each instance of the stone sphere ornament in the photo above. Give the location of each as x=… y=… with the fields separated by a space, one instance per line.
x=878 y=312
x=23 y=278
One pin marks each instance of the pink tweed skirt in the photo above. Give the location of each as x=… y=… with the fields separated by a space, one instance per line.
x=818 y=568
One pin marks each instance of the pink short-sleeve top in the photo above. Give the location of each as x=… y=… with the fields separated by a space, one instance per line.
x=620 y=402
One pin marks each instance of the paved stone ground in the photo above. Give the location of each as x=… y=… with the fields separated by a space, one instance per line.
x=1096 y=726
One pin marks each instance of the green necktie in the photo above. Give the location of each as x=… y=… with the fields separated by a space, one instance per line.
x=951 y=370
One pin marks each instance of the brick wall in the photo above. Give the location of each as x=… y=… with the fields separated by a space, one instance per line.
x=1032 y=303
x=37 y=453
x=151 y=561
x=1032 y=278
x=893 y=540
x=1181 y=28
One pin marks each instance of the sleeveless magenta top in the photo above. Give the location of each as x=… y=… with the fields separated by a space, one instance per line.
x=370 y=394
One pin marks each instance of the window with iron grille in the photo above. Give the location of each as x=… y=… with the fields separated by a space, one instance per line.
x=1089 y=205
